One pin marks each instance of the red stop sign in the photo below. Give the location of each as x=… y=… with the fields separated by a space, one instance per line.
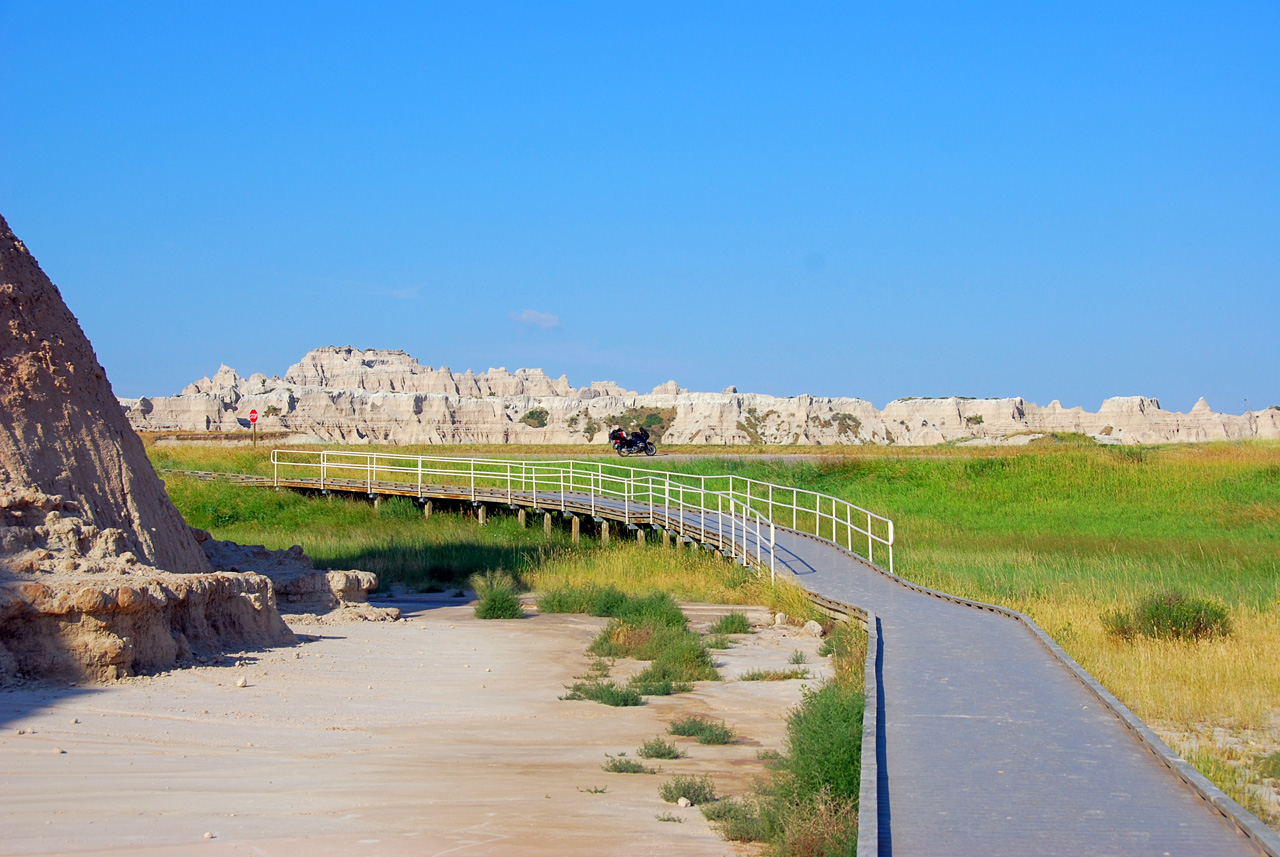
x=253 y=415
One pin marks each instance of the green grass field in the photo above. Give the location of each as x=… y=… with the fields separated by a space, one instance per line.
x=1061 y=529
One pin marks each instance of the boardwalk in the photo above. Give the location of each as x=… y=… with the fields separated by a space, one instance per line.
x=988 y=744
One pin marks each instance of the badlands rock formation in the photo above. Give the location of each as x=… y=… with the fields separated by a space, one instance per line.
x=99 y=575
x=374 y=396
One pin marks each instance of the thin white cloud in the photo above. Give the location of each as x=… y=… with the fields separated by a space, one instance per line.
x=533 y=318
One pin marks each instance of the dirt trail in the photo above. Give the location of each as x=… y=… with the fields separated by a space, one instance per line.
x=440 y=734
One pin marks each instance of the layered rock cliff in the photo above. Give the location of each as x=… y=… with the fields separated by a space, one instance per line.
x=375 y=396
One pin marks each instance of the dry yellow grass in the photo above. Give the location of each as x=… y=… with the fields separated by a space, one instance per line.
x=1232 y=682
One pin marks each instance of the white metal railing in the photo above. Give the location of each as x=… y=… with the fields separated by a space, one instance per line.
x=738 y=515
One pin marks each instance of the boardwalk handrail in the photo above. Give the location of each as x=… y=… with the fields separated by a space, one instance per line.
x=750 y=508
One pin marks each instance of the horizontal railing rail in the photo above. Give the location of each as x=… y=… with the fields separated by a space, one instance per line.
x=742 y=513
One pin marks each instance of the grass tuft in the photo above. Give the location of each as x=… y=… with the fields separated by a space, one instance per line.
x=619 y=764
x=732 y=623
x=498 y=596
x=659 y=748
x=697 y=790
x=1169 y=615
x=706 y=731
x=717 y=641
x=605 y=692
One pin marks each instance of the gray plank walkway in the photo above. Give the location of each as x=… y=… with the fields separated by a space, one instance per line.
x=990 y=745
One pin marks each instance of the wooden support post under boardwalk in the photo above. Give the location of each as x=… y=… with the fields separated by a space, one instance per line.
x=604 y=532
x=520 y=518
x=426 y=510
x=546 y=523
x=480 y=513
x=666 y=539
x=639 y=536
x=377 y=502
x=575 y=529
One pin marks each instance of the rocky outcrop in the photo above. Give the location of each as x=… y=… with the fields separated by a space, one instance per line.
x=348 y=396
x=99 y=575
x=77 y=603
x=299 y=587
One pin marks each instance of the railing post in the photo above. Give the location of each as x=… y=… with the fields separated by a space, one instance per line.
x=891 y=547
x=870 y=541
x=472 y=467
x=720 y=520
x=275 y=470
x=773 y=551
x=666 y=504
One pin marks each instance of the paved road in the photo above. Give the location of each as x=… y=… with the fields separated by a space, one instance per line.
x=990 y=745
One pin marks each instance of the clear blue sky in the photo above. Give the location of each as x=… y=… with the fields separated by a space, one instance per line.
x=1067 y=201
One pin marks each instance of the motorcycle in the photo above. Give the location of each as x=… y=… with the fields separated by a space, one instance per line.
x=638 y=442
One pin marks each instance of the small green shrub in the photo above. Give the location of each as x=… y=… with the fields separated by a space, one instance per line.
x=704 y=730
x=605 y=692
x=668 y=816
x=498 y=597
x=824 y=739
x=619 y=764
x=798 y=657
x=735 y=819
x=1169 y=615
x=774 y=675
x=717 y=641
x=697 y=790
x=658 y=748
x=732 y=623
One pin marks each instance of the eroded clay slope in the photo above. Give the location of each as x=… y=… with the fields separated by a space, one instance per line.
x=100 y=577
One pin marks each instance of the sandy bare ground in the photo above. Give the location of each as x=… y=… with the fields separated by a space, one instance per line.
x=438 y=735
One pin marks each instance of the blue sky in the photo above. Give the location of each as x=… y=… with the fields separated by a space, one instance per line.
x=1067 y=201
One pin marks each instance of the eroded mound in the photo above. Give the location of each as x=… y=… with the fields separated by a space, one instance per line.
x=99 y=575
